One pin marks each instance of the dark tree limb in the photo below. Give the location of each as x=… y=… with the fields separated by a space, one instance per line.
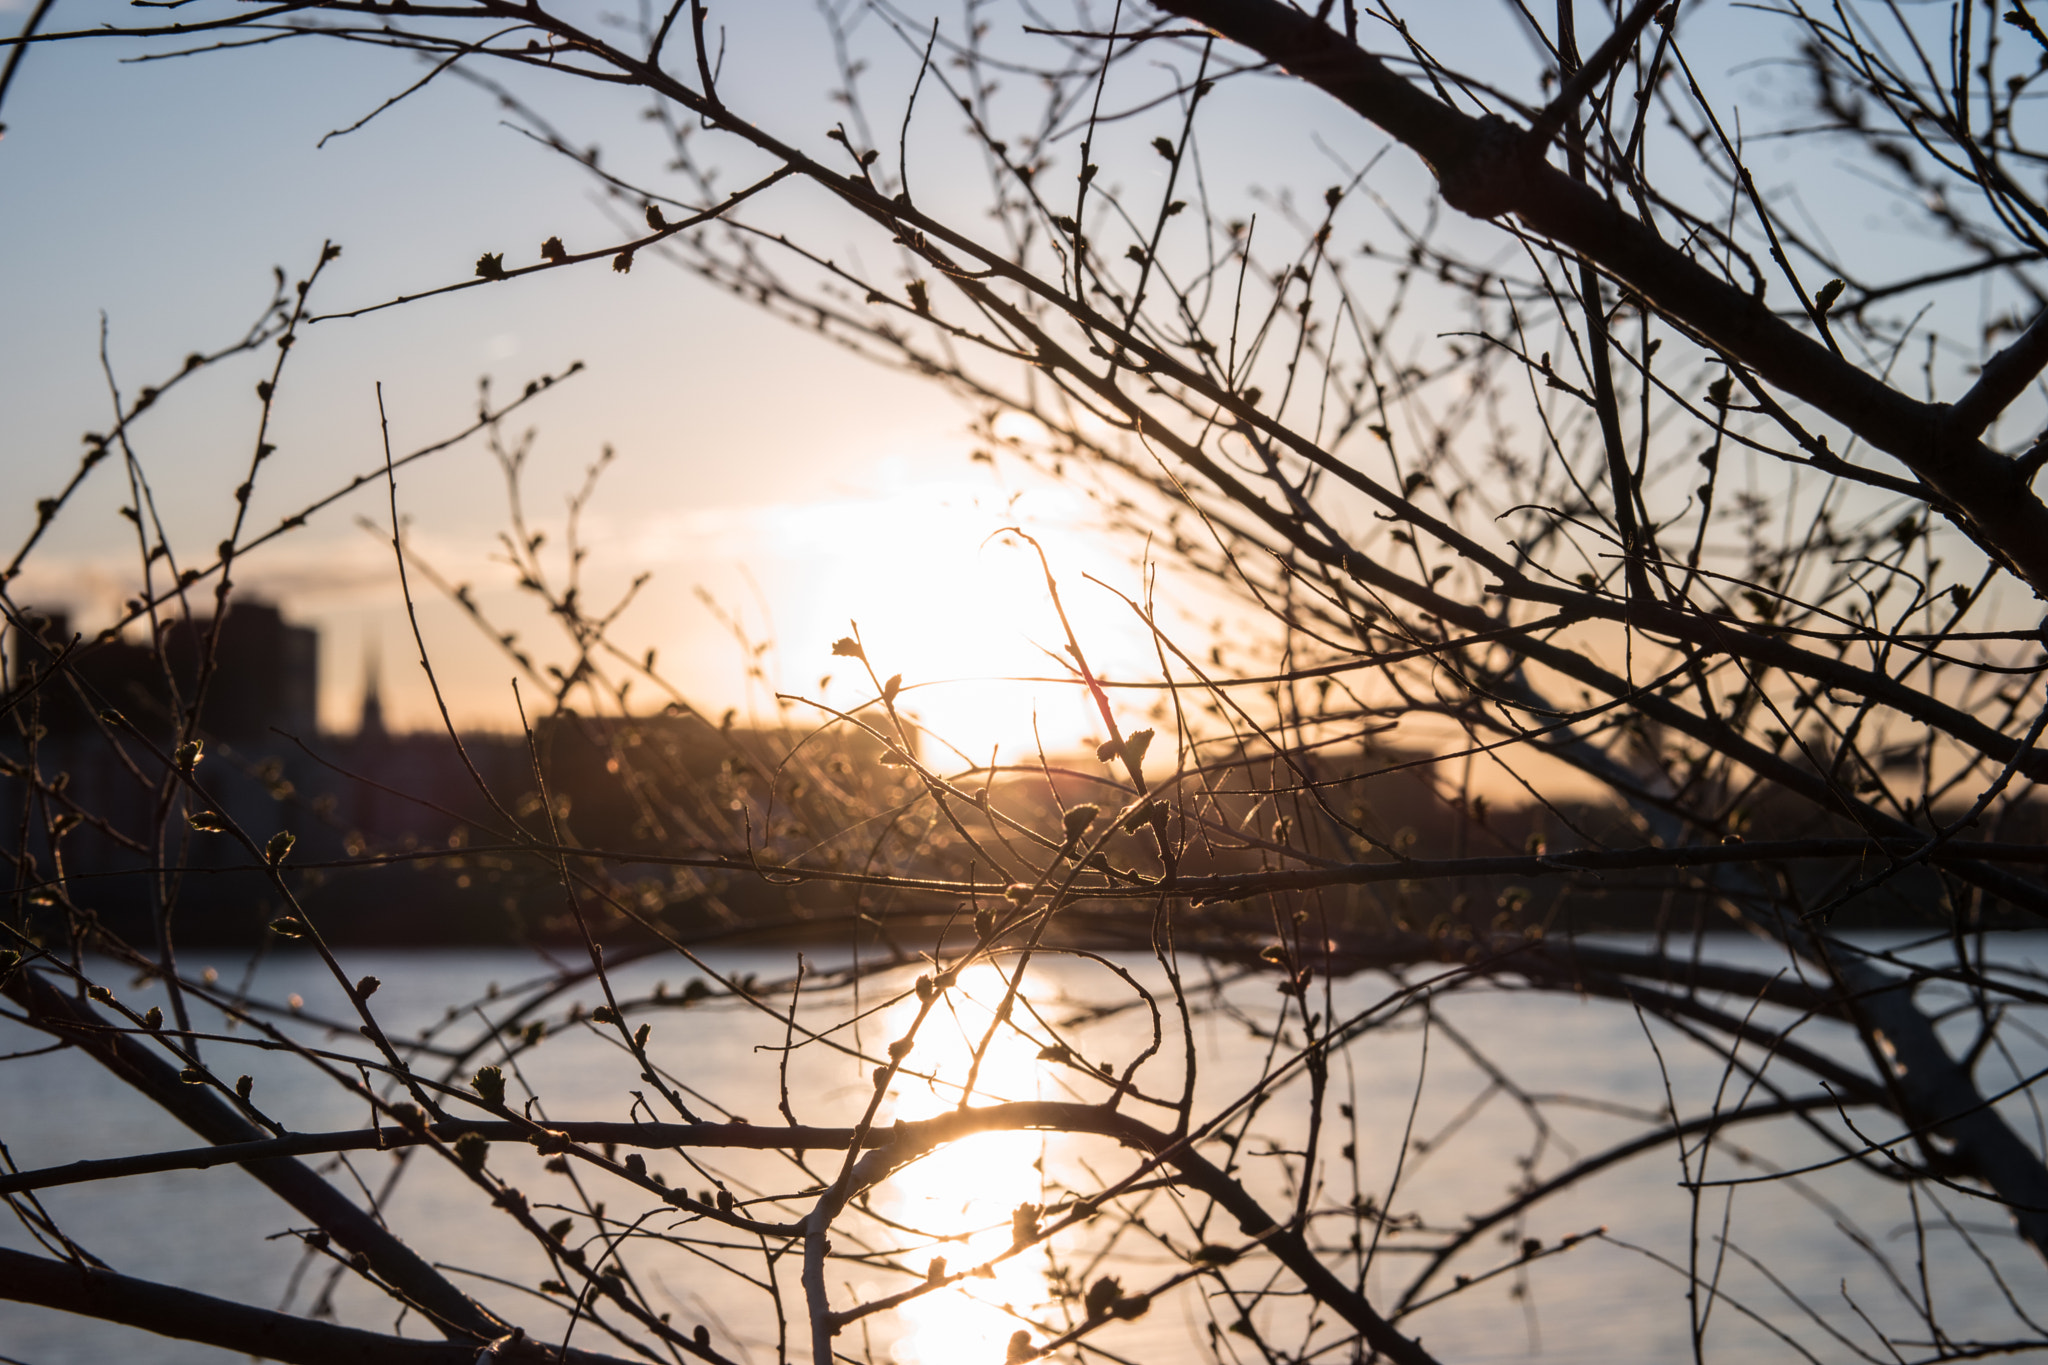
x=2004 y=378
x=1940 y=1095
x=190 y=1316
x=198 y=1108
x=1485 y=168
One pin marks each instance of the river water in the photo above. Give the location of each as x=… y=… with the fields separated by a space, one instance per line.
x=1462 y=1101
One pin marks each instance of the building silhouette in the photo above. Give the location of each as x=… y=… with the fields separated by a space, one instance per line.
x=260 y=673
x=430 y=838
x=399 y=838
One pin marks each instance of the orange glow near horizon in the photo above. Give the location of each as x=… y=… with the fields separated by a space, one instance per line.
x=942 y=594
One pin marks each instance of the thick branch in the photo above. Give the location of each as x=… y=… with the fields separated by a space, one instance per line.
x=1940 y=1094
x=2004 y=378
x=1234 y=886
x=199 y=1109
x=1485 y=167
x=190 y=1316
x=648 y=1135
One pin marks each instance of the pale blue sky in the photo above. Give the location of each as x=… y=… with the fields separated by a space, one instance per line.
x=160 y=194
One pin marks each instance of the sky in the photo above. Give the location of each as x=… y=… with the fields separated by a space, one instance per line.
x=797 y=486
x=751 y=462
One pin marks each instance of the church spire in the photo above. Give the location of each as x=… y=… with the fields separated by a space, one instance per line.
x=371 y=725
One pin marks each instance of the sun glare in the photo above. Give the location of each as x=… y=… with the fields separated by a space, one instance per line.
x=963 y=1195
x=945 y=596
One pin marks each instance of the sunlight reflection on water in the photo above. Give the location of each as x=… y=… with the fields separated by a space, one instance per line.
x=1600 y=1302
x=962 y=1198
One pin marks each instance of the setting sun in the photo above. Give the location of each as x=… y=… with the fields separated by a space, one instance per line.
x=944 y=593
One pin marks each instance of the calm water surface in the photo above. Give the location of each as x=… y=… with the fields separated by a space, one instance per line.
x=1512 y=1082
